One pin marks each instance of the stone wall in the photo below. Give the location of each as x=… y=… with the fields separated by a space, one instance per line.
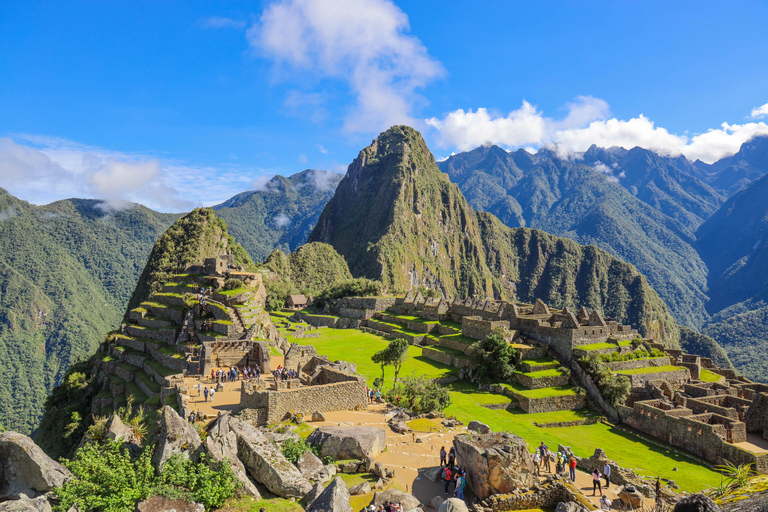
x=437 y=355
x=551 y=403
x=546 y=498
x=454 y=345
x=638 y=363
x=541 y=382
x=298 y=356
x=676 y=377
x=478 y=328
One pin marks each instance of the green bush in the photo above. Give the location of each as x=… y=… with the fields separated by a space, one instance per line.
x=293 y=449
x=495 y=358
x=106 y=477
x=614 y=388
x=233 y=284
x=359 y=287
x=419 y=394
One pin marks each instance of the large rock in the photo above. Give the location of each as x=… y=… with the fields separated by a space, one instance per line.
x=327 y=474
x=309 y=465
x=266 y=463
x=349 y=442
x=480 y=428
x=163 y=504
x=495 y=463
x=221 y=443
x=25 y=468
x=117 y=430
x=335 y=498
x=176 y=437
x=400 y=427
x=408 y=501
x=363 y=488
x=570 y=506
x=311 y=496
x=453 y=505
x=39 y=504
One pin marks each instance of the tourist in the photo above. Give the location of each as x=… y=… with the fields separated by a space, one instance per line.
x=443 y=457
x=213 y=375
x=460 y=484
x=206 y=394
x=536 y=461
x=559 y=463
x=456 y=478
x=199 y=389
x=605 y=503
x=572 y=466
x=451 y=458
x=596 y=482
x=607 y=474
x=547 y=459
x=447 y=474
x=212 y=392
x=542 y=449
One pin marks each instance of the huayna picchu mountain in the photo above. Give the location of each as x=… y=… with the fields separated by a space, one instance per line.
x=395 y=217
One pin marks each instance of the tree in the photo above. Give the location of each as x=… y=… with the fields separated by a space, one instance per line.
x=394 y=355
x=419 y=394
x=495 y=358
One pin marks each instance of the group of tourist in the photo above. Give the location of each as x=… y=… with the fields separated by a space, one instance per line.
x=389 y=506
x=452 y=473
x=283 y=373
x=374 y=395
x=234 y=373
x=205 y=391
x=543 y=458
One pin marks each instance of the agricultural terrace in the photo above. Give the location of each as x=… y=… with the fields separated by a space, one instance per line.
x=645 y=457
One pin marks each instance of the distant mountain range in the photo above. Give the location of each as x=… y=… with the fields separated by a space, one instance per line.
x=696 y=231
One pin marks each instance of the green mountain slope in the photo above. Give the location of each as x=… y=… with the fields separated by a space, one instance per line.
x=731 y=174
x=281 y=214
x=395 y=217
x=571 y=199
x=65 y=274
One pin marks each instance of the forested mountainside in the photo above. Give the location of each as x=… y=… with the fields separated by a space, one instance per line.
x=397 y=218
x=573 y=200
x=281 y=214
x=68 y=269
x=734 y=245
x=732 y=173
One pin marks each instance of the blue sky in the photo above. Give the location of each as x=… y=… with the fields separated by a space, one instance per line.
x=177 y=104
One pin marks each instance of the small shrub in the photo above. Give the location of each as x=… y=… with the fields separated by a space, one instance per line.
x=293 y=450
x=419 y=394
x=495 y=358
x=208 y=483
x=233 y=284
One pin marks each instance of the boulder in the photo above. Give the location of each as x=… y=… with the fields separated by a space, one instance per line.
x=397 y=416
x=433 y=474
x=162 y=504
x=408 y=501
x=570 y=506
x=39 y=504
x=175 y=437
x=400 y=427
x=363 y=488
x=335 y=498
x=436 y=502
x=117 y=430
x=309 y=465
x=318 y=416
x=453 y=505
x=452 y=423
x=281 y=437
x=379 y=485
x=327 y=474
x=480 y=428
x=311 y=496
x=349 y=467
x=349 y=442
x=495 y=463
x=25 y=468
x=221 y=444
x=266 y=463
x=380 y=470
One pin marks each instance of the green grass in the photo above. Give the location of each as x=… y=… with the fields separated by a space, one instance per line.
x=148 y=382
x=460 y=338
x=650 y=369
x=446 y=350
x=168 y=351
x=539 y=361
x=160 y=369
x=540 y=374
x=541 y=392
x=103 y=394
x=134 y=391
x=153 y=401
x=625 y=343
x=274 y=352
x=708 y=376
x=270 y=504
x=114 y=379
x=596 y=346
x=127 y=367
x=232 y=293
x=151 y=304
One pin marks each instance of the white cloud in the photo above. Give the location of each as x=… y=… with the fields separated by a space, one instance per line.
x=759 y=112
x=607 y=171
x=221 y=22
x=8 y=214
x=303 y=159
x=324 y=181
x=584 y=125
x=322 y=149
x=261 y=184
x=42 y=169
x=282 y=220
x=361 y=42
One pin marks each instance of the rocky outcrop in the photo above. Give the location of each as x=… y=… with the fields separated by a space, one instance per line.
x=311 y=496
x=176 y=437
x=25 y=468
x=266 y=463
x=309 y=465
x=117 y=430
x=363 y=488
x=162 y=504
x=408 y=501
x=39 y=504
x=335 y=498
x=495 y=463
x=480 y=428
x=342 y=443
x=570 y=506
x=221 y=444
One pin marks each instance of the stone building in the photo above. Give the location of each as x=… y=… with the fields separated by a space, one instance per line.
x=296 y=302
